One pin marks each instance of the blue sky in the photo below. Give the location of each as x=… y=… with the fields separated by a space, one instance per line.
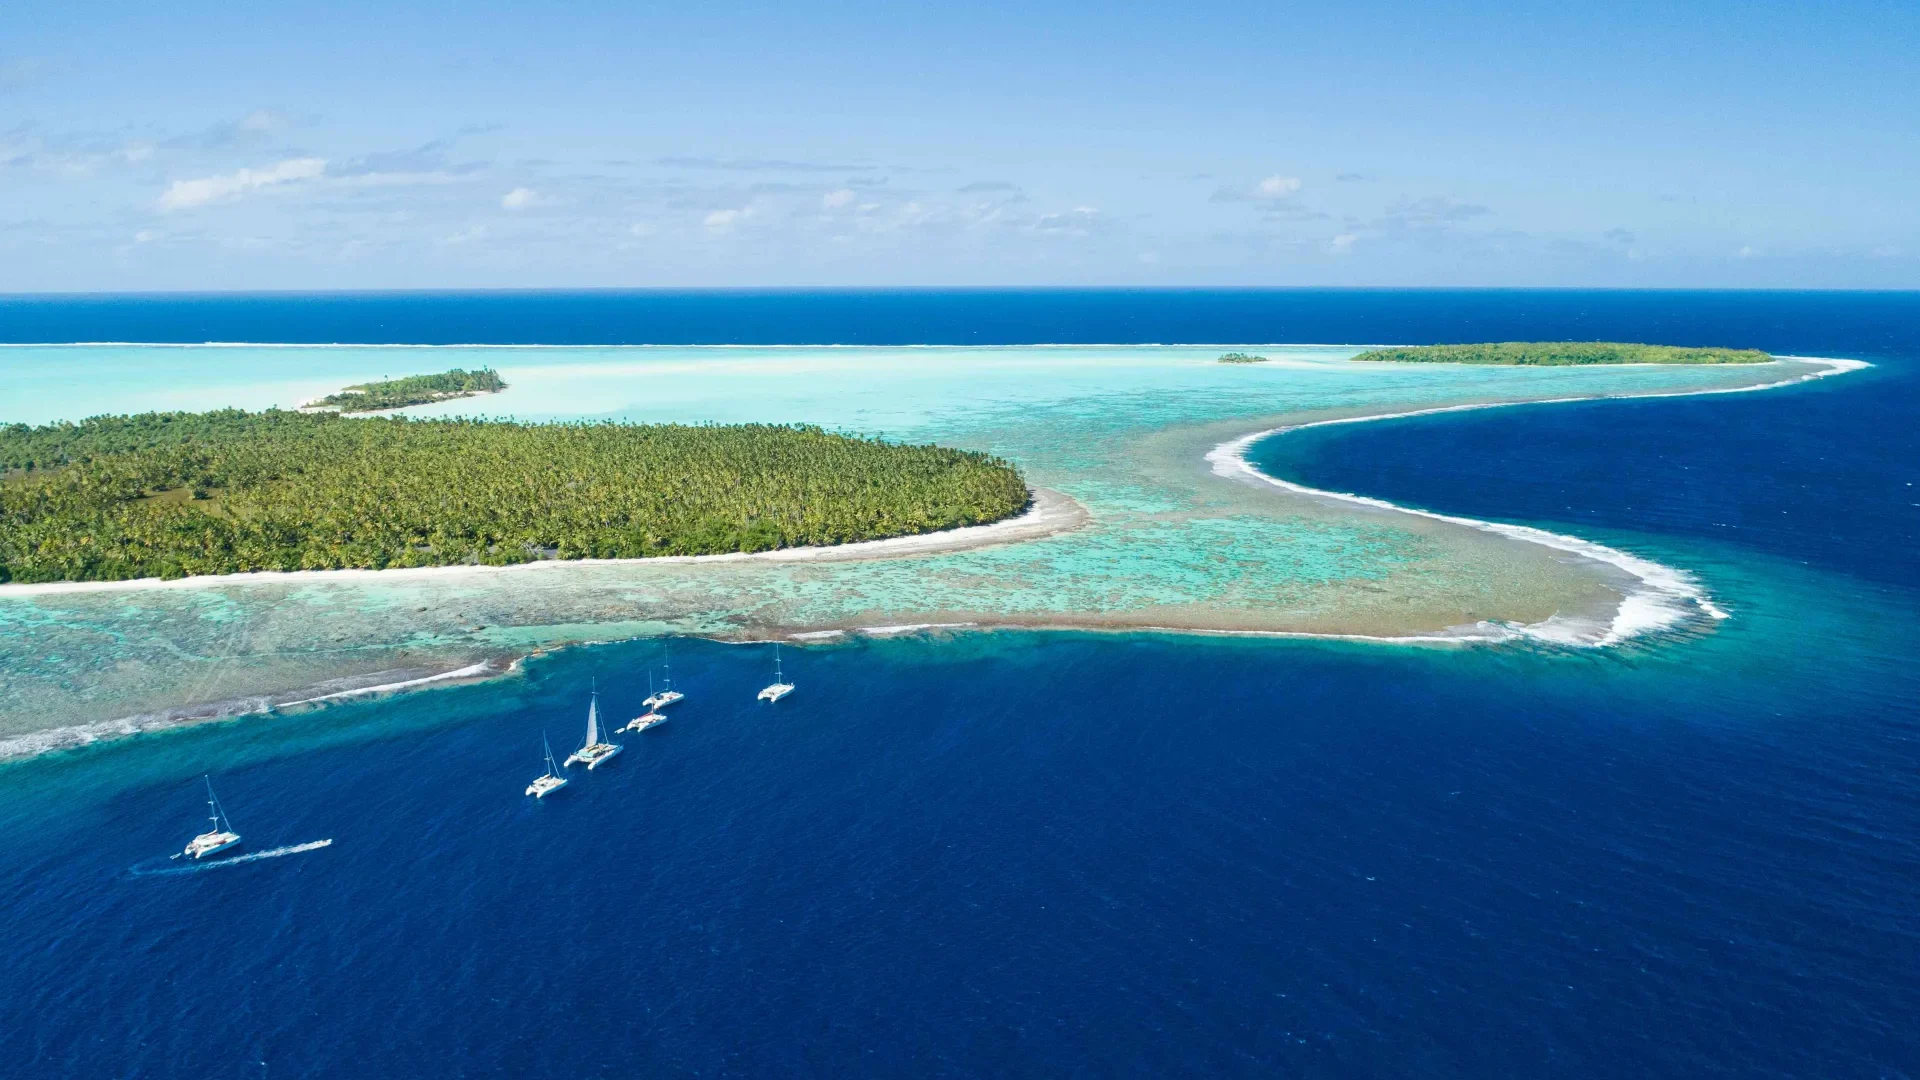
x=357 y=145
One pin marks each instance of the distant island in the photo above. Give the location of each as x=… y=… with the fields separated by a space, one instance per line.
x=178 y=494
x=1241 y=358
x=1562 y=354
x=412 y=390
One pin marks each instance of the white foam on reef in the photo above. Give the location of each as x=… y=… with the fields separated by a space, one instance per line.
x=913 y=628
x=1662 y=596
x=79 y=735
x=471 y=671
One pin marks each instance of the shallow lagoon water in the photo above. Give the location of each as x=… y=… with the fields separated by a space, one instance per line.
x=1122 y=430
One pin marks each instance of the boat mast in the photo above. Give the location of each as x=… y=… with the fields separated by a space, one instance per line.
x=214 y=814
x=777 y=677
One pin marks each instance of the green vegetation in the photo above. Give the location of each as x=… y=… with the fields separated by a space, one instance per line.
x=1241 y=358
x=1563 y=354
x=414 y=390
x=177 y=494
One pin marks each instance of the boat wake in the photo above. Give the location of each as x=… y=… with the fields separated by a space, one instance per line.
x=1659 y=597
x=155 y=868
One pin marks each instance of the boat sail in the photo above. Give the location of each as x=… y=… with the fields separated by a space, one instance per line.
x=781 y=687
x=216 y=839
x=594 y=753
x=546 y=785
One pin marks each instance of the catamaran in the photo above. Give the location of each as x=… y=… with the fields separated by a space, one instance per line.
x=645 y=720
x=594 y=753
x=552 y=781
x=660 y=700
x=781 y=687
x=216 y=839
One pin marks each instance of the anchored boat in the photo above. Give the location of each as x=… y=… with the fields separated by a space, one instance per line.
x=645 y=721
x=665 y=697
x=216 y=839
x=781 y=687
x=552 y=781
x=594 y=753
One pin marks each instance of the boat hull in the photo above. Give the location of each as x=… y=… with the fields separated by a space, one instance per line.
x=595 y=756
x=642 y=723
x=206 y=851
x=776 y=692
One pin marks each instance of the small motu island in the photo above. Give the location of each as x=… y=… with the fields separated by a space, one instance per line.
x=412 y=390
x=1241 y=358
x=1561 y=354
x=179 y=494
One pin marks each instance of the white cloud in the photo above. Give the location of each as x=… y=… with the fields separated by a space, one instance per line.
x=643 y=229
x=466 y=236
x=187 y=194
x=145 y=236
x=1343 y=243
x=1079 y=221
x=1746 y=253
x=837 y=199
x=519 y=199
x=263 y=120
x=723 y=220
x=1276 y=187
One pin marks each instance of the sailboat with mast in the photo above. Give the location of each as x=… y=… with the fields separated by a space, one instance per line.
x=667 y=696
x=646 y=719
x=781 y=687
x=594 y=753
x=546 y=785
x=653 y=715
x=216 y=839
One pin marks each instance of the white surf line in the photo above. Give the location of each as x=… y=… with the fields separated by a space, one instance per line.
x=1663 y=592
x=471 y=671
x=273 y=853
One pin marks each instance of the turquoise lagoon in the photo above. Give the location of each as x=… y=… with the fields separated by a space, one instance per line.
x=1123 y=431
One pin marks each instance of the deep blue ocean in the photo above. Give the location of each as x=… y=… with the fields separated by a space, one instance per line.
x=1076 y=854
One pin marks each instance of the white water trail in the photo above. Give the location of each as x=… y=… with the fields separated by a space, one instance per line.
x=1662 y=596
x=256 y=856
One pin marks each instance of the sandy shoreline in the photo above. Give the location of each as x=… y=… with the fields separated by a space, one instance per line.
x=1050 y=514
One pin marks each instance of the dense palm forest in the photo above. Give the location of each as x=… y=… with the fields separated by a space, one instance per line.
x=1241 y=358
x=1563 y=354
x=175 y=494
x=414 y=390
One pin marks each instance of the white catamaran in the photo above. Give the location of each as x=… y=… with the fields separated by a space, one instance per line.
x=216 y=839
x=552 y=781
x=594 y=753
x=781 y=687
x=645 y=720
x=663 y=698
